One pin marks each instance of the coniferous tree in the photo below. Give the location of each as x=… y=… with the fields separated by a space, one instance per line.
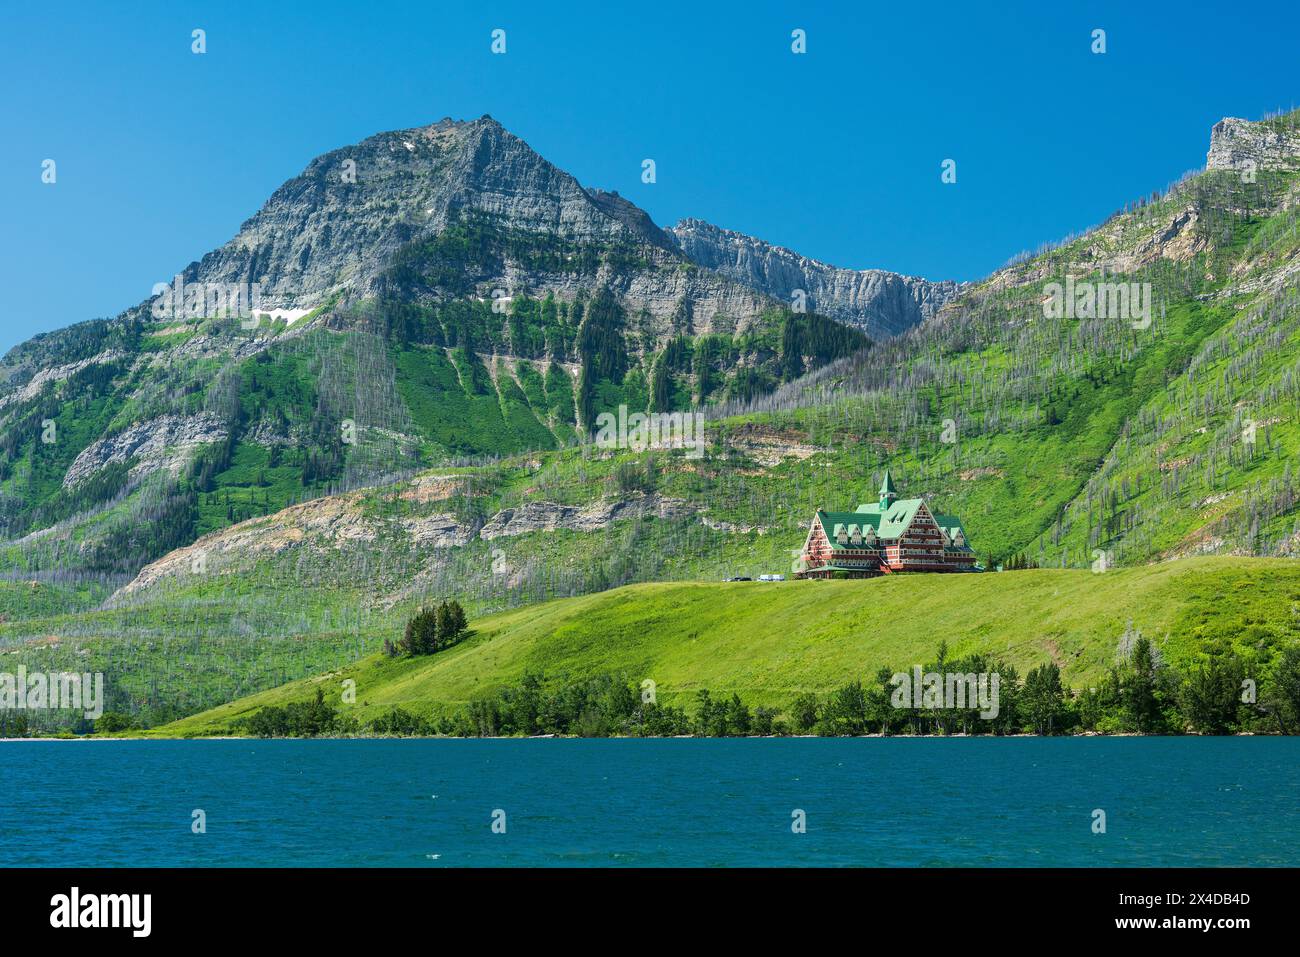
x=444 y=629
x=661 y=385
x=1140 y=687
x=1282 y=695
x=739 y=718
x=456 y=617
x=1210 y=697
x=1043 y=698
x=805 y=712
x=880 y=711
x=421 y=635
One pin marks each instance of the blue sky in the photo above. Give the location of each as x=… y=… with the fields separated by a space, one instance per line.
x=836 y=153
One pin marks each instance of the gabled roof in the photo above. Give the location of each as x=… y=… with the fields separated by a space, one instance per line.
x=891 y=524
x=894 y=520
x=832 y=522
x=950 y=524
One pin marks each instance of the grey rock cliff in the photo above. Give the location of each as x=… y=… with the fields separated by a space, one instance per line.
x=548 y=516
x=167 y=442
x=880 y=303
x=1269 y=144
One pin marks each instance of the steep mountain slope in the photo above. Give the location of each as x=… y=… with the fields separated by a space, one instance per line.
x=1059 y=439
x=880 y=303
x=424 y=295
x=1150 y=419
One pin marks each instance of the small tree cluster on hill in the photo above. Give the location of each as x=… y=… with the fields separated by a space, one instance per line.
x=430 y=630
x=1019 y=562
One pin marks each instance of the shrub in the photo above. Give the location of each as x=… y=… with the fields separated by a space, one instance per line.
x=114 y=721
x=298 y=719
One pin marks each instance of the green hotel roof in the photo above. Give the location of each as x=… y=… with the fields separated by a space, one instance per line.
x=895 y=520
x=950 y=524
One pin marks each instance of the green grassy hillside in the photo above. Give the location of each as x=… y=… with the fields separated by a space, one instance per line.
x=771 y=642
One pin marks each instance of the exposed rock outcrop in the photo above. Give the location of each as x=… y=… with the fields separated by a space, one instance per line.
x=167 y=442
x=732 y=528
x=53 y=374
x=1235 y=144
x=338 y=527
x=769 y=446
x=548 y=516
x=339 y=226
x=324 y=526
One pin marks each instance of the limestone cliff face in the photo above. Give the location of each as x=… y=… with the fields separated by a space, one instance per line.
x=1268 y=144
x=880 y=303
x=548 y=516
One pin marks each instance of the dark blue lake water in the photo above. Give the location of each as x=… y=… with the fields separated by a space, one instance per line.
x=904 y=802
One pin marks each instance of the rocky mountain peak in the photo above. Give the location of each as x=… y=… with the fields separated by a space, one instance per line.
x=338 y=225
x=336 y=230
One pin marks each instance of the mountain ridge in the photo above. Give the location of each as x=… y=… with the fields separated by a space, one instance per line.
x=881 y=303
x=334 y=228
x=290 y=246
